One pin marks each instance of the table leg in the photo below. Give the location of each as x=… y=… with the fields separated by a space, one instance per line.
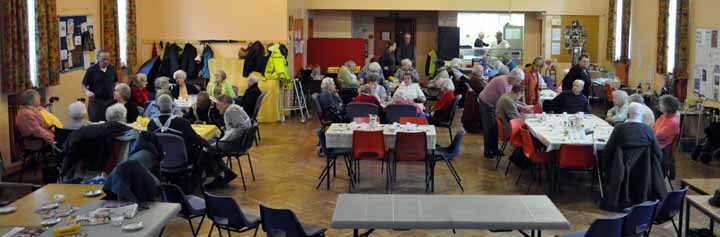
x=539 y=233
x=687 y=218
x=356 y=233
x=680 y=218
x=712 y=226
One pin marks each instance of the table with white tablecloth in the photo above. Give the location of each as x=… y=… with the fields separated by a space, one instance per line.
x=552 y=130
x=339 y=135
x=186 y=103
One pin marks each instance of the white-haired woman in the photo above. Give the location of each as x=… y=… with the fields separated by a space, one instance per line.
x=76 y=112
x=440 y=111
x=220 y=85
x=182 y=89
x=122 y=96
x=138 y=86
x=372 y=68
x=346 y=75
x=618 y=113
x=116 y=113
x=410 y=89
x=330 y=102
x=406 y=67
x=251 y=95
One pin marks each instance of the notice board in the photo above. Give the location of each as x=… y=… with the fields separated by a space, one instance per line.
x=77 y=42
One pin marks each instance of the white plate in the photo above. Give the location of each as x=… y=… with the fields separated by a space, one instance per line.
x=7 y=209
x=49 y=206
x=93 y=193
x=50 y=221
x=133 y=226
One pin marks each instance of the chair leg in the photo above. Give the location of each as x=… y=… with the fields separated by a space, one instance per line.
x=256 y=230
x=161 y=231
x=507 y=168
x=211 y=229
x=257 y=138
x=500 y=155
x=251 y=167
x=192 y=228
x=242 y=176
x=669 y=182
x=197 y=231
x=450 y=132
x=228 y=162
x=455 y=174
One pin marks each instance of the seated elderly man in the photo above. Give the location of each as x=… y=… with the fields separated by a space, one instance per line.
x=506 y=108
x=572 y=101
x=76 y=112
x=252 y=93
x=373 y=68
x=346 y=76
x=648 y=114
x=618 y=113
x=166 y=122
x=153 y=110
x=29 y=122
x=406 y=67
x=203 y=111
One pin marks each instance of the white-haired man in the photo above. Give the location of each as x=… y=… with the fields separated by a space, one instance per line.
x=487 y=100
x=572 y=101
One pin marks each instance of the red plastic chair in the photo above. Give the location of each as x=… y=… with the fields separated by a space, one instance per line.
x=409 y=146
x=367 y=145
x=361 y=119
x=608 y=94
x=537 y=158
x=413 y=120
x=515 y=138
x=579 y=157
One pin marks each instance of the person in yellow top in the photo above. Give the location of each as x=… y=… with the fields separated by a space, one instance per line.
x=220 y=86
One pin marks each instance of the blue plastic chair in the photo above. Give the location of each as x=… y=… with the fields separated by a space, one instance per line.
x=610 y=227
x=640 y=219
x=191 y=206
x=331 y=158
x=227 y=215
x=395 y=111
x=236 y=149
x=283 y=222
x=360 y=109
x=448 y=154
x=670 y=207
x=175 y=160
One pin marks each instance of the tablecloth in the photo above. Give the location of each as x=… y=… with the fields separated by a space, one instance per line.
x=206 y=131
x=552 y=131
x=270 y=108
x=339 y=135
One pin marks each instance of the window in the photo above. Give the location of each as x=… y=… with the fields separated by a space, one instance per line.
x=671 y=35
x=32 y=41
x=491 y=23
x=618 y=29
x=122 y=30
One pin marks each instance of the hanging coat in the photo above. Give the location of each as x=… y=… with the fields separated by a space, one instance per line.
x=255 y=59
x=430 y=66
x=171 y=60
x=276 y=68
x=207 y=54
x=187 y=61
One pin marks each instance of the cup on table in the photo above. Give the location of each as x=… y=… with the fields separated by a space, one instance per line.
x=116 y=220
x=59 y=198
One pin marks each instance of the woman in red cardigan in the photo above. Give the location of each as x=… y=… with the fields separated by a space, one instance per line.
x=366 y=95
x=440 y=111
x=667 y=128
x=138 y=85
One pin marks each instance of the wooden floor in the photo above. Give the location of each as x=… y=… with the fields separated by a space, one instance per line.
x=287 y=167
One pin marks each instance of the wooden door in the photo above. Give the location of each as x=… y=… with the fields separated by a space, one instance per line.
x=384 y=27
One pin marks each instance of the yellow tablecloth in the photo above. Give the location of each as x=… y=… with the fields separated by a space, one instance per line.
x=270 y=108
x=204 y=130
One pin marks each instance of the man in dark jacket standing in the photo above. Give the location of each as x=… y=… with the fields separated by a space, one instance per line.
x=579 y=71
x=405 y=49
x=98 y=85
x=249 y=99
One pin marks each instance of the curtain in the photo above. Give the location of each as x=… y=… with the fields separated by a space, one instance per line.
x=681 y=49
x=662 y=31
x=48 y=52
x=14 y=53
x=110 y=36
x=610 y=49
x=131 y=36
x=627 y=14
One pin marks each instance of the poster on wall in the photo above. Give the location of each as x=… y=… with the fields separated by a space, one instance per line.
x=707 y=64
x=76 y=42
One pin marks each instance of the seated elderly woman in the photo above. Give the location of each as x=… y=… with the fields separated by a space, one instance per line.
x=251 y=95
x=667 y=129
x=410 y=89
x=401 y=98
x=220 y=85
x=378 y=91
x=138 y=86
x=330 y=102
x=122 y=96
x=182 y=89
x=618 y=113
x=471 y=118
x=203 y=111
x=161 y=83
x=153 y=110
x=373 y=68
x=406 y=67
x=572 y=101
x=648 y=114
x=346 y=75
x=76 y=112
x=366 y=96
x=166 y=122
x=29 y=122
x=440 y=111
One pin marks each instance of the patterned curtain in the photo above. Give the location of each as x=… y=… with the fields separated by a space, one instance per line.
x=610 y=49
x=662 y=31
x=131 y=36
x=48 y=56
x=14 y=52
x=681 y=49
x=110 y=36
x=625 y=44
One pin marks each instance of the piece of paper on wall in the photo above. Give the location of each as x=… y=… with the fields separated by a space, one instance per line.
x=556 y=34
x=71 y=26
x=70 y=62
x=86 y=60
x=83 y=27
x=69 y=43
x=555 y=48
x=62 y=29
x=89 y=20
x=512 y=34
x=556 y=21
x=78 y=40
x=63 y=54
x=385 y=35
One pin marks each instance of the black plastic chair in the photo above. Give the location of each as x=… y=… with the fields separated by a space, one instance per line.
x=318 y=109
x=449 y=124
x=242 y=148
x=255 y=123
x=191 y=206
x=395 y=111
x=670 y=207
x=175 y=161
x=227 y=215
x=610 y=227
x=285 y=222
x=448 y=154
x=360 y=109
x=640 y=219
x=331 y=156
